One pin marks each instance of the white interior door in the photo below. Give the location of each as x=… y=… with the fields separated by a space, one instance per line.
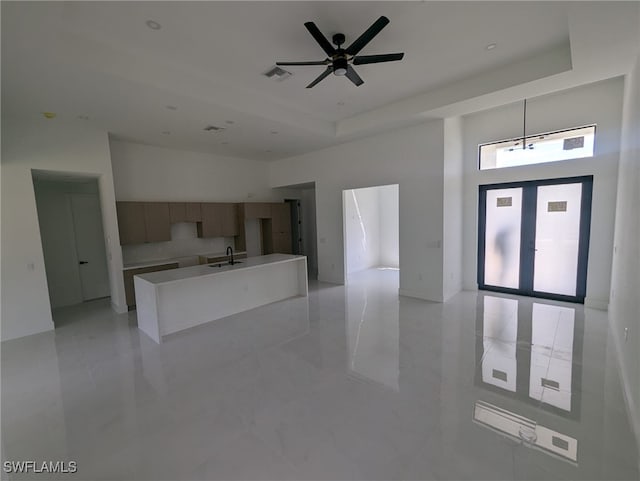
x=89 y=236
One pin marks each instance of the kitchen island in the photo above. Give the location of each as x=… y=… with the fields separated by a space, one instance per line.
x=177 y=299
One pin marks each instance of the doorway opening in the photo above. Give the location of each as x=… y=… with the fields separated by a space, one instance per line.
x=371 y=229
x=73 y=242
x=533 y=237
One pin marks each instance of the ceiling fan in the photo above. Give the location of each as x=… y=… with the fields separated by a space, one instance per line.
x=340 y=60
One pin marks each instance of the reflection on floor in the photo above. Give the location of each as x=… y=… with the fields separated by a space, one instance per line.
x=351 y=383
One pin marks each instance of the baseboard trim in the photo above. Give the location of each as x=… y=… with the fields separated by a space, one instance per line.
x=416 y=295
x=632 y=409
x=119 y=308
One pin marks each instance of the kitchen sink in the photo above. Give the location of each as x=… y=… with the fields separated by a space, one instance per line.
x=221 y=264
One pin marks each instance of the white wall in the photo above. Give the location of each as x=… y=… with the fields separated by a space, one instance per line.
x=150 y=173
x=599 y=103
x=388 y=198
x=309 y=235
x=362 y=229
x=56 y=146
x=371 y=227
x=453 y=194
x=411 y=157
x=625 y=275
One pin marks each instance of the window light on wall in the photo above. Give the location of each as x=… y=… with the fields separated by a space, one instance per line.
x=536 y=149
x=550 y=147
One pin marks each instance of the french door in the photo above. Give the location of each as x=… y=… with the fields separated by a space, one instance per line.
x=533 y=237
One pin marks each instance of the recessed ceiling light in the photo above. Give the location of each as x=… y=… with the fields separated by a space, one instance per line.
x=267 y=151
x=171 y=107
x=83 y=117
x=49 y=115
x=230 y=122
x=274 y=132
x=341 y=103
x=491 y=46
x=153 y=25
x=224 y=142
x=165 y=132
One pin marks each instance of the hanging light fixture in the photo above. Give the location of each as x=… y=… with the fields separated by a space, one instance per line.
x=524 y=130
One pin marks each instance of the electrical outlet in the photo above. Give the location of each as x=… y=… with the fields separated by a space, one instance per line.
x=626 y=334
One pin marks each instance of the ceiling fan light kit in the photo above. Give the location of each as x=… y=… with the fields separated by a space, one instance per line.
x=340 y=61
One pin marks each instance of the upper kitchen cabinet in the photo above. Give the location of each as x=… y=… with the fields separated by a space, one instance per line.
x=157 y=221
x=257 y=210
x=185 y=212
x=193 y=212
x=281 y=218
x=281 y=228
x=131 y=222
x=140 y=222
x=229 y=219
x=218 y=220
x=210 y=226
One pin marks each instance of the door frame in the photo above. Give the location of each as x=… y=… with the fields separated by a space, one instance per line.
x=527 y=236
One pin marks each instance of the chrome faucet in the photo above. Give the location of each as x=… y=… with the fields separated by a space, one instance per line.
x=230 y=254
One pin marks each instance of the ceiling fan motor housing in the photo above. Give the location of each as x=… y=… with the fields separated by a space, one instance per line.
x=340 y=65
x=338 y=39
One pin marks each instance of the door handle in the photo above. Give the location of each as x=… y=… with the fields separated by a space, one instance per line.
x=83 y=262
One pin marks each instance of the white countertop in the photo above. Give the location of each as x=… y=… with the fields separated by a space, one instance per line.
x=173 y=260
x=173 y=275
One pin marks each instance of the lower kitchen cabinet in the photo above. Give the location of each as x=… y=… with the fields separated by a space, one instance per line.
x=129 y=290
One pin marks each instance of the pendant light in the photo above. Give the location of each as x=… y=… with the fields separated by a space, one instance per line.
x=524 y=130
x=524 y=125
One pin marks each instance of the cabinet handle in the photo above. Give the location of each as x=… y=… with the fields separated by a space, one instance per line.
x=83 y=262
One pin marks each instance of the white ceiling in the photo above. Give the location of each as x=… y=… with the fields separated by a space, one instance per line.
x=100 y=60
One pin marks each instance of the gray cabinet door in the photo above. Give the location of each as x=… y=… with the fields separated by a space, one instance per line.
x=157 y=221
x=131 y=224
x=210 y=225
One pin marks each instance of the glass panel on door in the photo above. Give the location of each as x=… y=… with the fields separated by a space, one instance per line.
x=502 y=237
x=557 y=238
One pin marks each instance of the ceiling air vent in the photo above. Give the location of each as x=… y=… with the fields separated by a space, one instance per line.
x=277 y=73
x=213 y=128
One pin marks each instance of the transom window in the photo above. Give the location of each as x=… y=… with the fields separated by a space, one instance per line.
x=537 y=149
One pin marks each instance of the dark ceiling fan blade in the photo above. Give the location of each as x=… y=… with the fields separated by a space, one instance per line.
x=320 y=62
x=321 y=77
x=387 y=57
x=320 y=38
x=367 y=36
x=353 y=76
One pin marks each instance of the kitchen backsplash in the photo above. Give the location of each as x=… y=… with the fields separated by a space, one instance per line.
x=184 y=242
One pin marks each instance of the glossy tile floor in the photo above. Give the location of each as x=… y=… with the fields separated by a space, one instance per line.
x=349 y=383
